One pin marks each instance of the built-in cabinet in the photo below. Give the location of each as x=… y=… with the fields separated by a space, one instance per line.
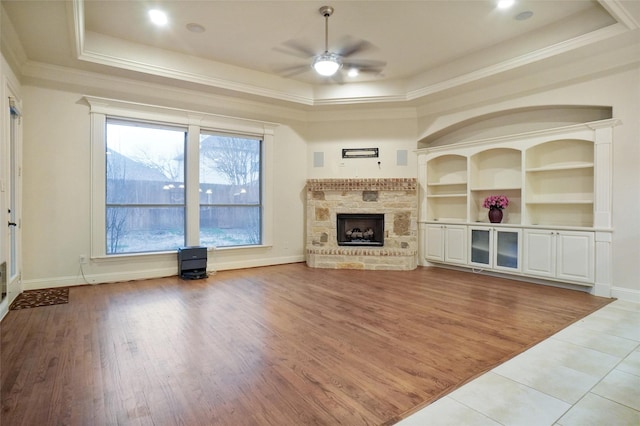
x=447 y=243
x=558 y=183
x=563 y=255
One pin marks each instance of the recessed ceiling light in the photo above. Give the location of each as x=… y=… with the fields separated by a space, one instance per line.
x=353 y=72
x=523 y=16
x=505 y=4
x=158 y=17
x=195 y=28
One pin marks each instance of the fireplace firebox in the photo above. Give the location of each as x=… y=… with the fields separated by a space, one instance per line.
x=360 y=229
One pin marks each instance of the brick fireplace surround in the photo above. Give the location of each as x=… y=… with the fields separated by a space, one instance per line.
x=396 y=198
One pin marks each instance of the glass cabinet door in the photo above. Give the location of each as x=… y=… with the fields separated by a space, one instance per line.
x=481 y=239
x=495 y=248
x=507 y=249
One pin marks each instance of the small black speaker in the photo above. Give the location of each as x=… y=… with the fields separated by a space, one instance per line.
x=192 y=262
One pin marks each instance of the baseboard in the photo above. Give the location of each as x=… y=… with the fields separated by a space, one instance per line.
x=258 y=263
x=626 y=294
x=82 y=279
x=88 y=278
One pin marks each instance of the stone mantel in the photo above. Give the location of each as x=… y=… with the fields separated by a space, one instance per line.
x=396 y=198
x=392 y=184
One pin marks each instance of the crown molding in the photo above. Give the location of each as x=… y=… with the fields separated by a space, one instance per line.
x=267 y=86
x=535 y=56
x=620 y=13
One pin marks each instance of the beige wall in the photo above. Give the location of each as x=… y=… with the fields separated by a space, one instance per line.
x=56 y=219
x=57 y=188
x=618 y=89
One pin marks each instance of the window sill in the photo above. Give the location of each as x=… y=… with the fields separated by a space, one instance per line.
x=172 y=253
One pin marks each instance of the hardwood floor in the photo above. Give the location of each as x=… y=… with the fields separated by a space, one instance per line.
x=280 y=345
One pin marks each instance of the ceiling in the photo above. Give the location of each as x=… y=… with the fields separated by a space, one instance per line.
x=425 y=46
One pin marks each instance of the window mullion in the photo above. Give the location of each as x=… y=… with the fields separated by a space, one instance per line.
x=192 y=186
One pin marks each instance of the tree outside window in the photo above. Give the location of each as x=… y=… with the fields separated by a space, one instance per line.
x=145 y=188
x=230 y=191
x=145 y=201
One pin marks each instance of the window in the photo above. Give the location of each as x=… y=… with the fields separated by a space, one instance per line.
x=164 y=178
x=145 y=200
x=230 y=190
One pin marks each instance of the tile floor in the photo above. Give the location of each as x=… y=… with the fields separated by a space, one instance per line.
x=587 y=374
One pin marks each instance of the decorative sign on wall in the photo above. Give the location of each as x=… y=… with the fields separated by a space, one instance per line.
x=360 y=153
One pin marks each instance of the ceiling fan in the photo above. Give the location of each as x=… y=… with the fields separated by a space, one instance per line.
x=328 y=63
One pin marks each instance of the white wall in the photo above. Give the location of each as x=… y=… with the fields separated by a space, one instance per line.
x=619 y=89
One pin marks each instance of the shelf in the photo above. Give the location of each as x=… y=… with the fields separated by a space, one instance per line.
x=560 y=167
x=493 y=167
x=496 y=189
x=446 y=183
x=538 y=202
x=448 y=219
x=447 y=170
x=561 y=154
x=447 y=195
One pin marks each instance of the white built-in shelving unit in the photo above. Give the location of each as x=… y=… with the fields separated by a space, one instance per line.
x=558 y=222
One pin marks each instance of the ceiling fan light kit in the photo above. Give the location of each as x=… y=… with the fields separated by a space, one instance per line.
x=327 y=64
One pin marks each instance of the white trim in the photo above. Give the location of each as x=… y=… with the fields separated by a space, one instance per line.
x=620 y=13
x=517 y=62
x=195 y=121
x=627 y=294
x=591 y=127
x=214 y=122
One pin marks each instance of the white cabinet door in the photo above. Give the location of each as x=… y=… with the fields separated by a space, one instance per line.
x=435 y=243
x=575 y=256
x=446 y=243
x=456 y=244
x=540 y=253
x=563 y=255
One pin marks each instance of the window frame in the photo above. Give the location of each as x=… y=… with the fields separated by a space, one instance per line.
x=195 y=122
x=260 y=200
x=182 y=205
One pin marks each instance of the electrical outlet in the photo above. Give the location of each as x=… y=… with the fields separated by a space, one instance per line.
x=83 y=259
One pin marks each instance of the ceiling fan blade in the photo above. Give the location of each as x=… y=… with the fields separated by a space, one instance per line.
x=338 y=78
x=351 y=46
x=363 y=63
x=293 y=70
x=295 y=48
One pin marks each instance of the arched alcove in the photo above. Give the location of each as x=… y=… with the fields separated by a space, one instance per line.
x=515 y=121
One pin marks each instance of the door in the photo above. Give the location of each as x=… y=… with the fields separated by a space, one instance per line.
x=575 y=258
x=455 y=246
x=10 y=190
x=435 y=243
x=539 y=253
x=447 y=243
x=507 y=249
x=481 y=246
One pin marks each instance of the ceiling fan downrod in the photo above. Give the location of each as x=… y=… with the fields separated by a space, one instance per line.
x=326 y=11
x=326 y=64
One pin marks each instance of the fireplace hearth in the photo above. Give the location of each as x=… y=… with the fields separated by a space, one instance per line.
x=360 y=229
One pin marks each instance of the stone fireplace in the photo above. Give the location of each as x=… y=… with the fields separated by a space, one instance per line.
x=380 y=216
